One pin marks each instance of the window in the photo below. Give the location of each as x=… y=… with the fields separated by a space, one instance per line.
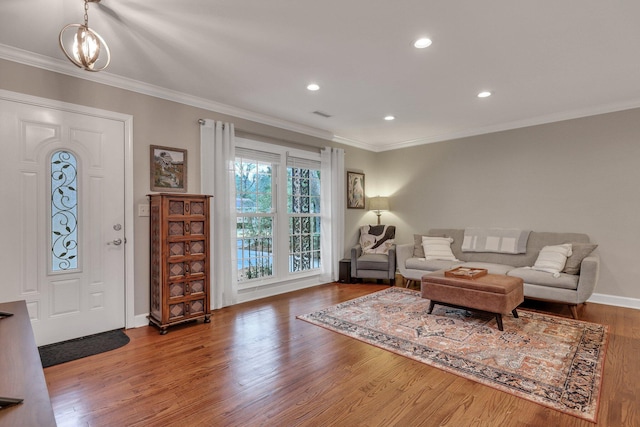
x=255 y=218
x=278 y=232
x=303 y=209
x=64 y=212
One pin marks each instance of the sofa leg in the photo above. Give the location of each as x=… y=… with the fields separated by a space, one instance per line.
x=392 y=282
x=411 y=282
x=574 y=310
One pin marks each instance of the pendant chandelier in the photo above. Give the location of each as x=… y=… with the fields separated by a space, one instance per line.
x=83 y=46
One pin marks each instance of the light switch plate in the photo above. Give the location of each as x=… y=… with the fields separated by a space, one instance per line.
x=143 y=210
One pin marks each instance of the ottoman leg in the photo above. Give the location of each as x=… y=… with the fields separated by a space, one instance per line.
x=515 y=313
x=431 y=305
x=499 y=320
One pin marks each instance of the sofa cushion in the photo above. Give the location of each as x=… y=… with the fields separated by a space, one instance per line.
x=373 y=262
x=542 y=278
x=418 y=250
x=553 y=258
x=438 y=248
x=537 y=240
x=579 y=252
x=490 y=267
x=499 y=240
x=430 y=265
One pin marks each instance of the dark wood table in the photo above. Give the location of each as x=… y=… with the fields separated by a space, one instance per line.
x=21 y=374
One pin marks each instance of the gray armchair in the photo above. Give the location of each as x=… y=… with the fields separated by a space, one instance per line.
x=375 y=256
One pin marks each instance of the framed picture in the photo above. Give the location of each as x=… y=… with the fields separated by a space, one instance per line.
x=355 y=190
x=168 y=169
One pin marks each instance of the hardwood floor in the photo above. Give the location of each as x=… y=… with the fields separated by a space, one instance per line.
x=255 y=364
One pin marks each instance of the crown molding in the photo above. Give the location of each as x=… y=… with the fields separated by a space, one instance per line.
x=103 y=77
x=354 y=143
x=64 y=67
x=518 y=124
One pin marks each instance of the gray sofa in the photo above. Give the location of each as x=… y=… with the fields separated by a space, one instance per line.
x=571 y=289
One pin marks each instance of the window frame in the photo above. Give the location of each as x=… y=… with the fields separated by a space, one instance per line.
x=257 y=214
x=313 y=252
x=281 y=216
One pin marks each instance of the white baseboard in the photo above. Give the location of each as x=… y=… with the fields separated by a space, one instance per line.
x=615 y=300
x=251 y=294
x=140 y=320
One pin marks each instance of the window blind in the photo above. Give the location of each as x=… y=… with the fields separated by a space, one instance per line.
x=301 y=163
x=262 y=156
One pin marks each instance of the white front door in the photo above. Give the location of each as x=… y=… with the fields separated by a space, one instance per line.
x=62 y=219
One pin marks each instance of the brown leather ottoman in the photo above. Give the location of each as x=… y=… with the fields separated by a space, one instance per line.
x=494 y=293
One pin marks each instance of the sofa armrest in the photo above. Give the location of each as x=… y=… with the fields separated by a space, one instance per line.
x=392 y=261
x=589 y=274
x=403 y=253
x=356 y=252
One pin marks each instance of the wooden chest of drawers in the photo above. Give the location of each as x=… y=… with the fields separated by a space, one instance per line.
x=179 y=289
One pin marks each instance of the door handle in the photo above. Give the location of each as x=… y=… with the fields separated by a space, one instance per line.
x=116 y=242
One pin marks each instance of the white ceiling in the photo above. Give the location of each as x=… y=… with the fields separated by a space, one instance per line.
x=543 y=60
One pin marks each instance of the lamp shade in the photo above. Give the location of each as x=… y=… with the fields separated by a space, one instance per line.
x=379 y=203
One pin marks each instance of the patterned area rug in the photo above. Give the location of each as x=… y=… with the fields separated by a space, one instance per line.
x=554 y=361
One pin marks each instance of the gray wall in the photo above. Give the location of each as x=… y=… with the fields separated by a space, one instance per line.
x=364 y=162
x=155 y=122
x=578 y=175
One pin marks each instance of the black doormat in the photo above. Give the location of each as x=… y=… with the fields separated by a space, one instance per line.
x=66 y=351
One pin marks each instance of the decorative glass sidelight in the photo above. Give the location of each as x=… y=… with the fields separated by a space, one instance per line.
x=64 y=211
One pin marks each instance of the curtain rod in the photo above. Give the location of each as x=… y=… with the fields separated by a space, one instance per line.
x=278 y=141
x=272 y=140
x=203 y=121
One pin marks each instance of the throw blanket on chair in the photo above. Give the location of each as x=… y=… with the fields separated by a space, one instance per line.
x=500 y=240
x=377 y=239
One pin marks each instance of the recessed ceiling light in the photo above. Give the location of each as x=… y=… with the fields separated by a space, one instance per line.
x=313 y=87
x=389 y=118
x=422 y=43
x=484 y=94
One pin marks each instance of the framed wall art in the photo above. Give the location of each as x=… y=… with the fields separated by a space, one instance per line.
x=355 y=190
x=168 y=169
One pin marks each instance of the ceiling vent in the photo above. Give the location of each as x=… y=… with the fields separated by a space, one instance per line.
x=321 y=114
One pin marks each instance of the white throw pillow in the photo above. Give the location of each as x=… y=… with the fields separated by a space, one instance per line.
x=553 y=258
x=438 y=248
